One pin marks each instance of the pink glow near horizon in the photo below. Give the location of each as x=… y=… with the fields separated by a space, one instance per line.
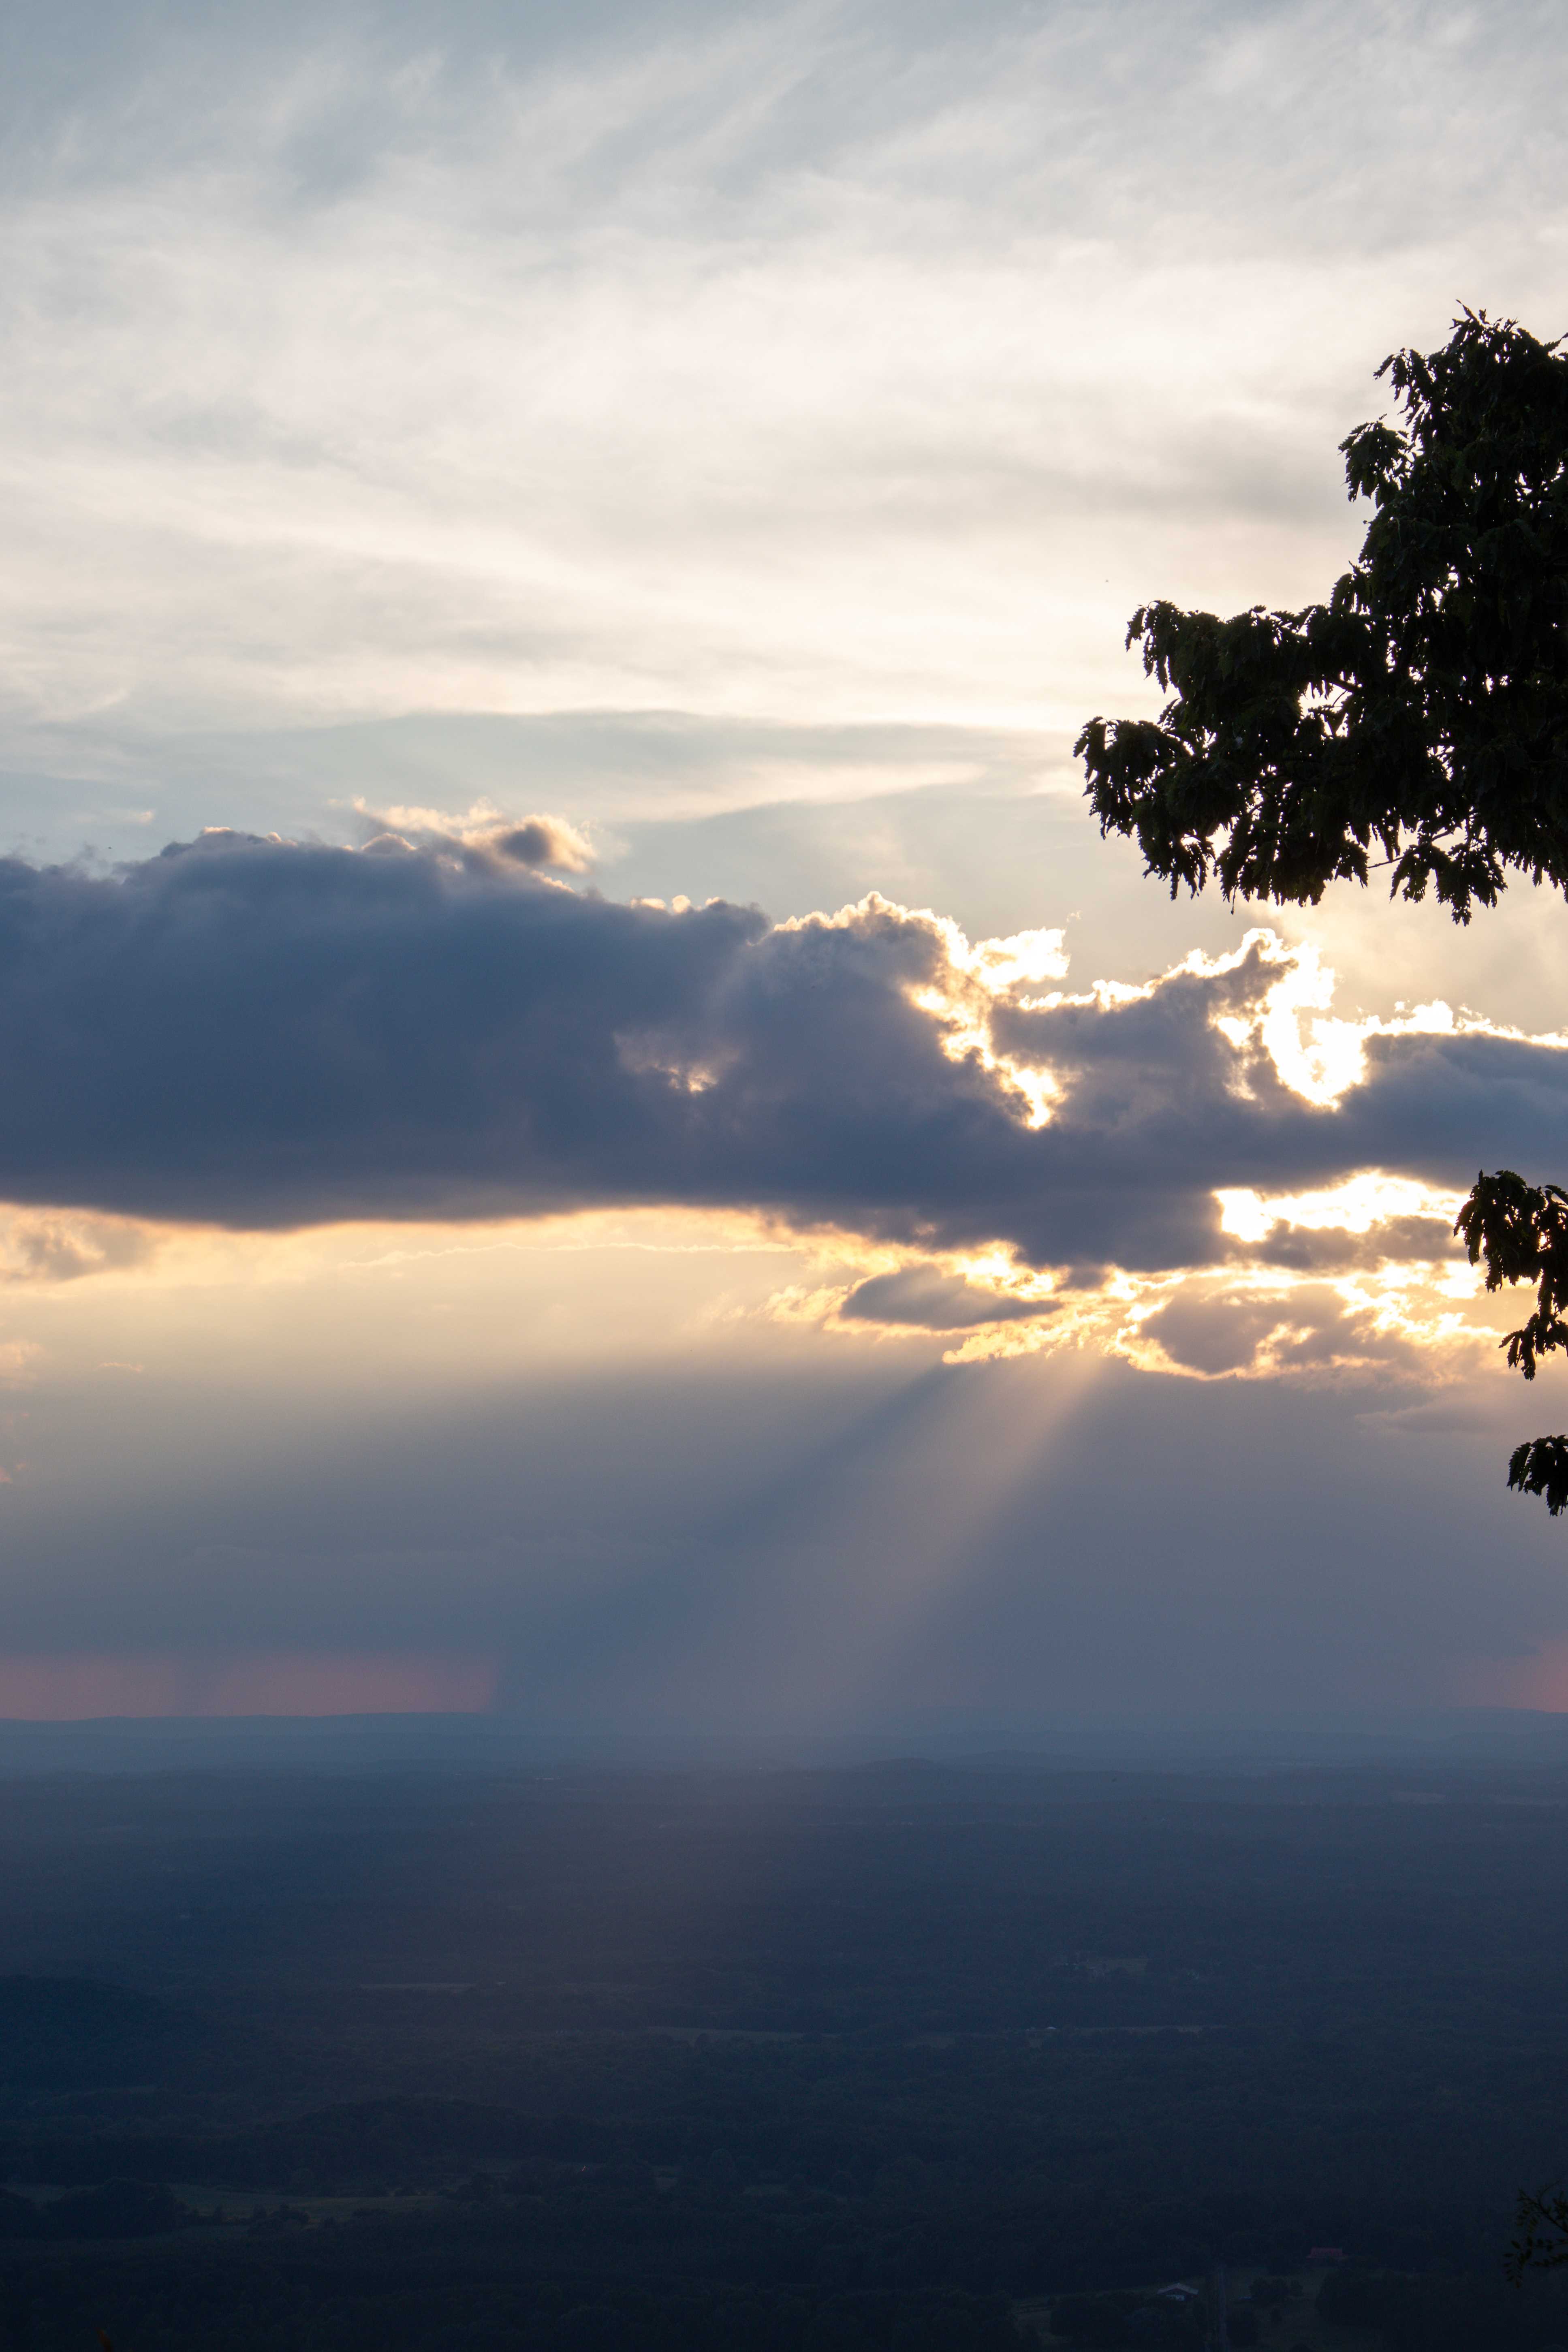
x=73 y=1689
x=1538 y=1682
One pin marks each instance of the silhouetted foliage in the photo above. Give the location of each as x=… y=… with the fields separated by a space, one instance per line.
x=1520 y=1231
x=1422 y=712
x=1540 y=2242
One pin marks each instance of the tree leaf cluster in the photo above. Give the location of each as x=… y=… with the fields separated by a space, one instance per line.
x=1422 y=713
x=1540 y=2242
x=1419 y=717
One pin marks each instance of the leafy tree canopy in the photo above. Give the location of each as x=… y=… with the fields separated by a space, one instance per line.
x=1520 y=1231
x=1422 y=712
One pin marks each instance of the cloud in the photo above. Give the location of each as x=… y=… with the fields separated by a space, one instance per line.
x=1215 y=1329
x=542 y=841
x=251 y=1033
x=925 y=1298
x=51 y=1249
x=483 y=836
x=610 y=357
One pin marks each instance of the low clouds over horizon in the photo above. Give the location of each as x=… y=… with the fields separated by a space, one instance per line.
x=260 y=1034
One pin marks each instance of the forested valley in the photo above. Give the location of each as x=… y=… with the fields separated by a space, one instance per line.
x=929 y=2058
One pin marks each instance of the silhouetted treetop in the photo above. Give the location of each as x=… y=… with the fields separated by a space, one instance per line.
x=1422 y=713
x=1519 y=1232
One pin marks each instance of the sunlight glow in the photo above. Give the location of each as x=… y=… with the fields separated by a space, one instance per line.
x=1355 y=1206
x=1324 y=1059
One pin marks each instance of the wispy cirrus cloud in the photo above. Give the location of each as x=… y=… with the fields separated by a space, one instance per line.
x=626 y=359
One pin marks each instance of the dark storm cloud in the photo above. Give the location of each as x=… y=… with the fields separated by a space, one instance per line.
x=260 y=1034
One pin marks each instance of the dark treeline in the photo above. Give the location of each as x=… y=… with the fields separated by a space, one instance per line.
x=254 y=2303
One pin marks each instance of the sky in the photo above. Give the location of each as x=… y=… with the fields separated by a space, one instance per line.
x=587 y=1126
